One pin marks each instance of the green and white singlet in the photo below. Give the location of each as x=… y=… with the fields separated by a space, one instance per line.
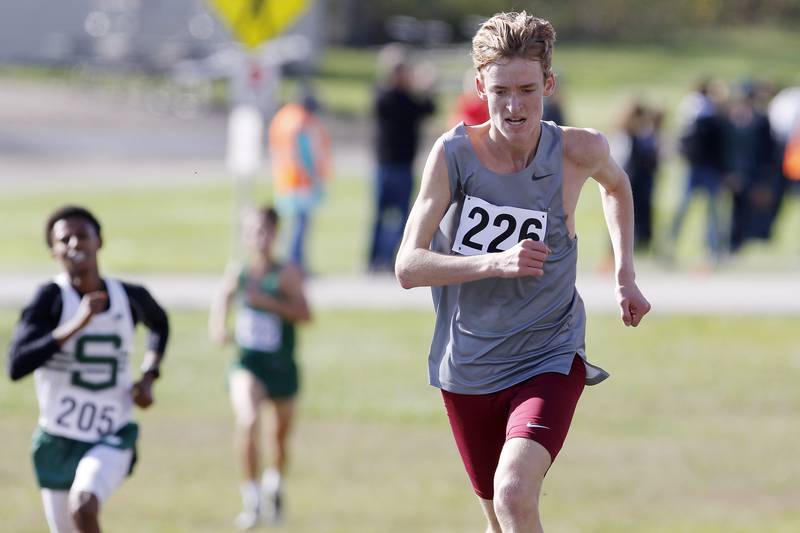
x=266 y=341
x=84 y=390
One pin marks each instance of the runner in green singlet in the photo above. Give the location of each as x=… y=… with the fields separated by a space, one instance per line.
x=269 y=300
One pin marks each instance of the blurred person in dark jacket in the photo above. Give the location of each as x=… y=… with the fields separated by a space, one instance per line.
x=641 y=126
x=705 y=145
x=402 y=101
x=754 y=167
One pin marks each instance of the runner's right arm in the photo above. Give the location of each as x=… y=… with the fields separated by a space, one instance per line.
x=33 y=343
x=220 y=308
x=418 y=266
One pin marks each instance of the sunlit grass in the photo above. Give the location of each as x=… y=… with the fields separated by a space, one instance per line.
x=694 y=431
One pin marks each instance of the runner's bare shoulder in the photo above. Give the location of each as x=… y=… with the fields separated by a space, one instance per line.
x=584 y=147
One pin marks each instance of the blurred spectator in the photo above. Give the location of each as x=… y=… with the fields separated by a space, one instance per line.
x=784 y=113
x=705 y=144
x=784 y=117
x=791 y=160
x=469 y=108
x=754 y=167
x=402 y=100
x=300 y=151
x=641 y=126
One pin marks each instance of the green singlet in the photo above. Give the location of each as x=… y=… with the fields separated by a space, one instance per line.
x=266 y=341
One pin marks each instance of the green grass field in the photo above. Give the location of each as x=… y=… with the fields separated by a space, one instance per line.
x=198 y=219
x=695 y=432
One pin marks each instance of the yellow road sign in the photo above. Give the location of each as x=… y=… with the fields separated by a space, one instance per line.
x=254 y=21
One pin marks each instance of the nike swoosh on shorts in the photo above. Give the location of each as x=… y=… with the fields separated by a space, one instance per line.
x=530 y=425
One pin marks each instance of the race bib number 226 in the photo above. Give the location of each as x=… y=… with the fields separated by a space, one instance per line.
x=488 y=228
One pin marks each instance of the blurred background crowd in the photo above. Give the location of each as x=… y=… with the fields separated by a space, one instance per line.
x=719 y=130
x=735 y=144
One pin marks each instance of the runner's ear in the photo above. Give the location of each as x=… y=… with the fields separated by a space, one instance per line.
x=480 y=87
x=550 y=84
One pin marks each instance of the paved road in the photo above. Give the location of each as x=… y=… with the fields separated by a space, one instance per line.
x=670 y=294
x=65 y=134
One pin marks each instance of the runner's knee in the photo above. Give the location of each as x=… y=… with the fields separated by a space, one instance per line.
x=246 y=421
x=513 y=498
x=84 y=508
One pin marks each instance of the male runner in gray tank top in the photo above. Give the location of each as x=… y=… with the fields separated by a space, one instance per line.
x=492 y=232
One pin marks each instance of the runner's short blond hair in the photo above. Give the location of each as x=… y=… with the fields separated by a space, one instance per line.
x=510 y=35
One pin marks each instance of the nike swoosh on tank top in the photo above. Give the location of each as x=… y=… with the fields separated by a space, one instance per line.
x=493 y=333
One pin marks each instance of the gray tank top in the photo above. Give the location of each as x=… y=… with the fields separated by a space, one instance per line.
x=493 y=333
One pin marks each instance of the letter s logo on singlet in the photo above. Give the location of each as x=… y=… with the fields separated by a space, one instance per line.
x=488 y=228
x=99 y=358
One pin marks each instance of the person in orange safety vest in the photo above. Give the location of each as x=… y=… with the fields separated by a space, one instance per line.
x=300 y=154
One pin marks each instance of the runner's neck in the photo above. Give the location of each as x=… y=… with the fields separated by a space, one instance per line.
x=504 y=153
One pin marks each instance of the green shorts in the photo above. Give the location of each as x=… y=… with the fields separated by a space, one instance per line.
x=55 y=459
x=276 y=372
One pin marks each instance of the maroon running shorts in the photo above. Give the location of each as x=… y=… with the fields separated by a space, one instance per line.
x=539 y=409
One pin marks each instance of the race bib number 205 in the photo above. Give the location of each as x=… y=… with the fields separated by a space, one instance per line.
x=488 y=228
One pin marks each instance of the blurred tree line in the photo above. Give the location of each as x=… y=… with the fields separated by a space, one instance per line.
x=359 y=22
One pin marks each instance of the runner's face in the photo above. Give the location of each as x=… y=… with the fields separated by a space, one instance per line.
x=515 y=91
x=74 y=244
x=260 y=234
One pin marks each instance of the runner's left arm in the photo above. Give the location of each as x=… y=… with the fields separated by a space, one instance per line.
x=615 y=190
x=292 y=305
x=144 y=308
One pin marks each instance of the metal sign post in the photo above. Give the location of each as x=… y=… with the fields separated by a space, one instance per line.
x=255 y=80
x=244 y=159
